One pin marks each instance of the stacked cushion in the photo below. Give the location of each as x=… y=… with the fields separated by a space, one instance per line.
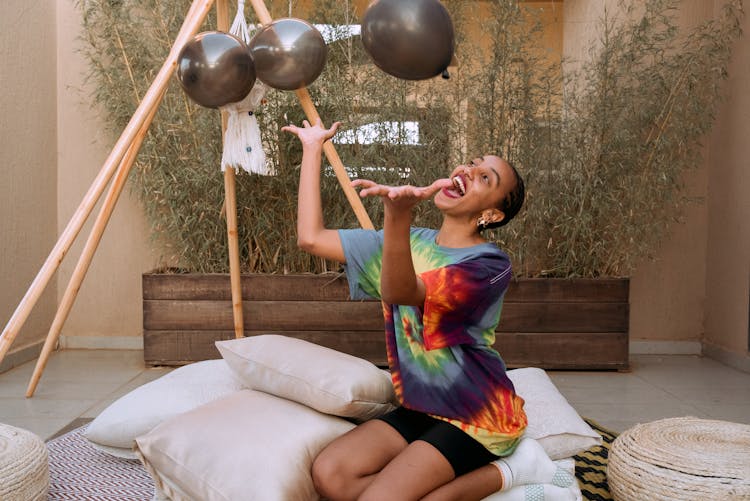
x=248 y=445
x=321 y=378
x=553 y=422
x=114 y=430
x=274 y=403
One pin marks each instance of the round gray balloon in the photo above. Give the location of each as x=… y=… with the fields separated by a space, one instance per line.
x=215 y=69
x=409 y=39
x=288 y=53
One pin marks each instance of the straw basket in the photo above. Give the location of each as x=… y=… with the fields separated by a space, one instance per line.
x=681 y=459
x=24 y=475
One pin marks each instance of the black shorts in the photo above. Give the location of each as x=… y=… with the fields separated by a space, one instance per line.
x=462 y=451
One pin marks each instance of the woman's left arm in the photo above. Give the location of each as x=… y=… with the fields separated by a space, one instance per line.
x=399 y=283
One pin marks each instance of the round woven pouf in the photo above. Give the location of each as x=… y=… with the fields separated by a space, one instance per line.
x=681 y=459
x=24 y=471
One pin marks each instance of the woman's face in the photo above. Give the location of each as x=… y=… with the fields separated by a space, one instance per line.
x=480 y=184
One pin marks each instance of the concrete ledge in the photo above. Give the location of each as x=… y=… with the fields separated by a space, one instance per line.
x=738 y=361
x=665 y=348
x=101 y=342
x=21 y=356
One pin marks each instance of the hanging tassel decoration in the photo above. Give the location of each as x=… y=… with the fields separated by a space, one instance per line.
x=243 y=147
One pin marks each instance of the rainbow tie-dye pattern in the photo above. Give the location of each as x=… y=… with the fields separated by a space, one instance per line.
x=441 y=356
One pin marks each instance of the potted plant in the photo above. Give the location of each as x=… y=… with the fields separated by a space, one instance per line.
x=603 y=144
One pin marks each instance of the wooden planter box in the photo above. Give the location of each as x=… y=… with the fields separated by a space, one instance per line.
x=547 y=323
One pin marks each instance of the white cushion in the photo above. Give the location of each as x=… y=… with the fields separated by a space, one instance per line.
x=553 y=422
x=248 y=445
x=114 y=430
x=321 y=378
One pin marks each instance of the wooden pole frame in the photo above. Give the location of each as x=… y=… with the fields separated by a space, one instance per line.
x=194 y=18
x=79 y=273
x=120 y=160
x=230 y=205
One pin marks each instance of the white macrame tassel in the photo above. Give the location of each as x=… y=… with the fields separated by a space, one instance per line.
x=242 y=142
x=239 y=25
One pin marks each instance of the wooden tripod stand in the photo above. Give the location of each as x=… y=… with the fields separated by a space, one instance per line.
x=119 y=163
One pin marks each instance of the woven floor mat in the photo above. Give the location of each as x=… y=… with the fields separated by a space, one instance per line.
x=80 y=472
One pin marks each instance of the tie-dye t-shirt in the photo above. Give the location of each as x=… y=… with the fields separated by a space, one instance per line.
x=441 y=356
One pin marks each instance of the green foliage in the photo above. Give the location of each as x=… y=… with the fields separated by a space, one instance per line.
x=603 y=144
x=630 y=132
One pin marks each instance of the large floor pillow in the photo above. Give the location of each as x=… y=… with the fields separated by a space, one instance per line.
x=114 y=430
x=246 y=446
x=553 y=422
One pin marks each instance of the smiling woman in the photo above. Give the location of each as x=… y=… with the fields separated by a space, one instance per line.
x=483 y=176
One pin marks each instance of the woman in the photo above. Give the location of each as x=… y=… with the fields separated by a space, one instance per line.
x=460 y=419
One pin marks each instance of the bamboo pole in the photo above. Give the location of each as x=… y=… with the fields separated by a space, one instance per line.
x=74 y=285
x=329 y=149
x=197 y=13
x=230 y=204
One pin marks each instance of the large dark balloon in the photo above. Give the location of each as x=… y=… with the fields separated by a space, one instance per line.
x=409 y=39
x=288 y=54
x=215 y=69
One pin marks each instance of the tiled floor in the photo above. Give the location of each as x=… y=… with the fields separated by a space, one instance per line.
x=81 y=383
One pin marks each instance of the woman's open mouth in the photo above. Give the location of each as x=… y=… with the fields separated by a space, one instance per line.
x=459 y=188
x=460 y=185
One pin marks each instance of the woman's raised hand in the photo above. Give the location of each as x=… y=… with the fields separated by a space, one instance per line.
x=312 y=135
x=400 y=196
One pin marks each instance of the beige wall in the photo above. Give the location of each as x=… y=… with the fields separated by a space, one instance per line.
x=28 y=188
x=728 y=256
x=53 y=147
x=696 y=290
x=109 y=302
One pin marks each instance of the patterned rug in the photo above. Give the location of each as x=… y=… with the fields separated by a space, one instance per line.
x=591 y=467
x=78 y=471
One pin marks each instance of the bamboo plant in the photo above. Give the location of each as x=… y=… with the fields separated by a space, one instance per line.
x=604 y=145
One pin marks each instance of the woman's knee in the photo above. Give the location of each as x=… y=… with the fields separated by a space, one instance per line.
x=329 y=476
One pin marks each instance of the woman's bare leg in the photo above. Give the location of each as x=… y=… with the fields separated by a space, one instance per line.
x=347 y=466
x=374 y=462
x=416 y=471
x=473 y=486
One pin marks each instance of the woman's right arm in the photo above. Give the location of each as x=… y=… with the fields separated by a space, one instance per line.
x=312 y=235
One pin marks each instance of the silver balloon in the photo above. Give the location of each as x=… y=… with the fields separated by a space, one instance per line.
x=288 y=53
x=215 y=69
x=409 y=39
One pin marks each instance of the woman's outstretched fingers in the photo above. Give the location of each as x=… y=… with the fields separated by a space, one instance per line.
x=439 y=185
x=312 y=135
x=368 y=188
x=331 y=131
x=290 y=128
x=410 y=192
